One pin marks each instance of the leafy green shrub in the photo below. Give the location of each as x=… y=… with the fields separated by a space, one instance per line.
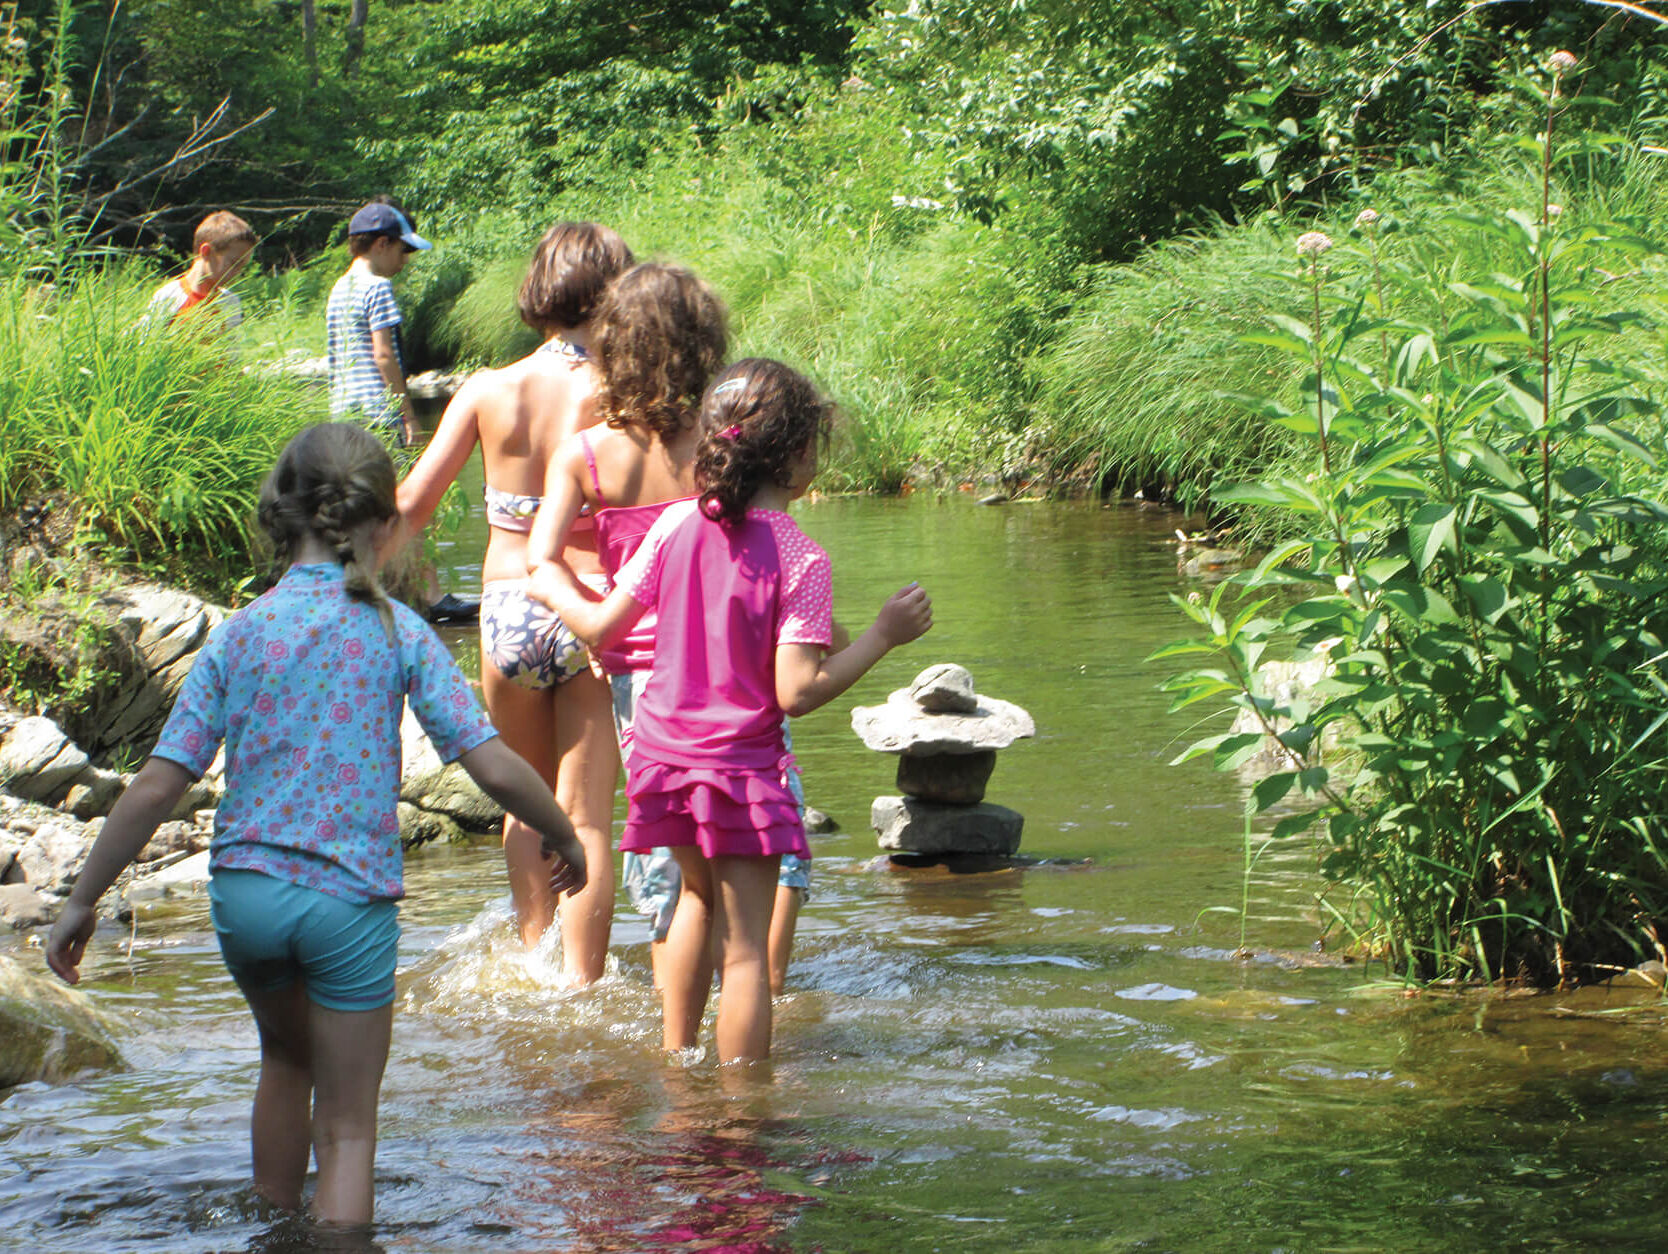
x=1482 y=566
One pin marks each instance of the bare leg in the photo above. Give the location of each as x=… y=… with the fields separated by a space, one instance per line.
x=587 y=769
x=278 y=1128
x=784 y=918
x=350 y=1050
x=527 y=721
x=685 y=973
x=745 y=890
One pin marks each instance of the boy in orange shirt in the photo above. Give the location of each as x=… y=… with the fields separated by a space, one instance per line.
x=222 y=243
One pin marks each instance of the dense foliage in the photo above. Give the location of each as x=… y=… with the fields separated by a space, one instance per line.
x=1482 y=569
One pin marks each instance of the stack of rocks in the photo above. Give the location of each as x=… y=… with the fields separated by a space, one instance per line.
x=946 y=736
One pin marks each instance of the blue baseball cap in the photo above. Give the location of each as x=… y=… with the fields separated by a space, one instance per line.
x=377 y=218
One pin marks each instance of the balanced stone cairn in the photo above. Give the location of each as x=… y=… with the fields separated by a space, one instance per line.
x=946 y=737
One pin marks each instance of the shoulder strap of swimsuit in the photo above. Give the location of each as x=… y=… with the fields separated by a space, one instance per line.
x=591 y=461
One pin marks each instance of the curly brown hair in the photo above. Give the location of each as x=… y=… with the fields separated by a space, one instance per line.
x=328 y=480
x=757 y=419
x=658 y=334
x=570 y=270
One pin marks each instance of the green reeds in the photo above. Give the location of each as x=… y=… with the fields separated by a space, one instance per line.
x=153 y=439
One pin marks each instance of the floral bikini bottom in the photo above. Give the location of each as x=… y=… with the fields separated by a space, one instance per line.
x=526 y=641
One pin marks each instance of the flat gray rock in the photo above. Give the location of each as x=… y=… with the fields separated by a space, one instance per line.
x=900 y=724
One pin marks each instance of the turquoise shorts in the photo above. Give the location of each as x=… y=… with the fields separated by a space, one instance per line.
x=652 y=880
x=273 y=933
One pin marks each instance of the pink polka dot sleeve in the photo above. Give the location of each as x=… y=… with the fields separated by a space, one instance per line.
x=807 y=601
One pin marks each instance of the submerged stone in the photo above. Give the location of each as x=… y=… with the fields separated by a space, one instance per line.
x=49 y=1031
x=908 y=825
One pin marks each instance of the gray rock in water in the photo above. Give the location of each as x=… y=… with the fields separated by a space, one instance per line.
x=951 y=778
x=910 y=826
x=945 y=689
x=424 y=827
x=48 y=1031
x=817 y=822
x=901 y=725
x=22 y=907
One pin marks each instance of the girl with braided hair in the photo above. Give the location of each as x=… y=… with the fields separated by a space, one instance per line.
x=744 y=617
x=306 y=686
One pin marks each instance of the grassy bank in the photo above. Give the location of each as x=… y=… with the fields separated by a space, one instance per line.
x=143 y=444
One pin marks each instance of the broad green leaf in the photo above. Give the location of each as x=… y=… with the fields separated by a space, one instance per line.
x=1419 y=604
x=1488 y=596
x=1430 y=530
x=1236 y=750
x=1272 y=789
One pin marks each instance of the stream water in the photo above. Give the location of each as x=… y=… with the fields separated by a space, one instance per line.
x=1065 y=1057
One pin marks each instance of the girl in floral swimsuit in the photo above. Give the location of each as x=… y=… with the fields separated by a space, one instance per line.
x=540 y=694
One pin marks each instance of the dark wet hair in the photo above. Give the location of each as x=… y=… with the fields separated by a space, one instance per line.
x=757 y=419
x=328 y=480
x=570 y=270
x=658 y=334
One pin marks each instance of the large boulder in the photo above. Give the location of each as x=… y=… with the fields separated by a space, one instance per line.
x=37 y=761
x=49 y=1031
x=442 y=788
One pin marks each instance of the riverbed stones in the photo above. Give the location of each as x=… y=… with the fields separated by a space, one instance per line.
x=48 y=1031
x=946 y=736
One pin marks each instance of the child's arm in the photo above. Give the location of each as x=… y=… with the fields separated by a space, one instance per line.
x=595 y=620
x=387 y=359
x=807 y=678
x=146 y=803
x=563 y=498
x=442 y=461
x=505 y=776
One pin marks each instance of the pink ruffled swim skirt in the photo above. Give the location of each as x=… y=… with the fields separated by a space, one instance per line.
x=723 y=813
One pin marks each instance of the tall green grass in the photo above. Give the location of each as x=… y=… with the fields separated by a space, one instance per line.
x=154 y=439
x=1131 y=392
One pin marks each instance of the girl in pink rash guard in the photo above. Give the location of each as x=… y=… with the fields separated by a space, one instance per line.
x=744 y=611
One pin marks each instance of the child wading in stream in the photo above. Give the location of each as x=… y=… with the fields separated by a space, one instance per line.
x=744 y=612
x=306 y=686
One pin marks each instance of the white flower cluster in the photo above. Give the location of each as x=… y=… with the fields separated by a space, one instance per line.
x=1313 y=244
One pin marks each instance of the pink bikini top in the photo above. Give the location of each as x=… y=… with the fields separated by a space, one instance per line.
x=620 y=529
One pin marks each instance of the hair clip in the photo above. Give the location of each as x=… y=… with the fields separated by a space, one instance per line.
x=734 y=384
x=731 y=432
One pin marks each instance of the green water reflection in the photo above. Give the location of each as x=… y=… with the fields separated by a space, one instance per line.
x=1067 y=1057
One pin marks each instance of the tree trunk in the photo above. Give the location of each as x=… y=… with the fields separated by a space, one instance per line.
x=310 y=42
x=357 y=16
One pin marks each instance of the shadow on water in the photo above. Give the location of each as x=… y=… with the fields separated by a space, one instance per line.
x=1030 y=1058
